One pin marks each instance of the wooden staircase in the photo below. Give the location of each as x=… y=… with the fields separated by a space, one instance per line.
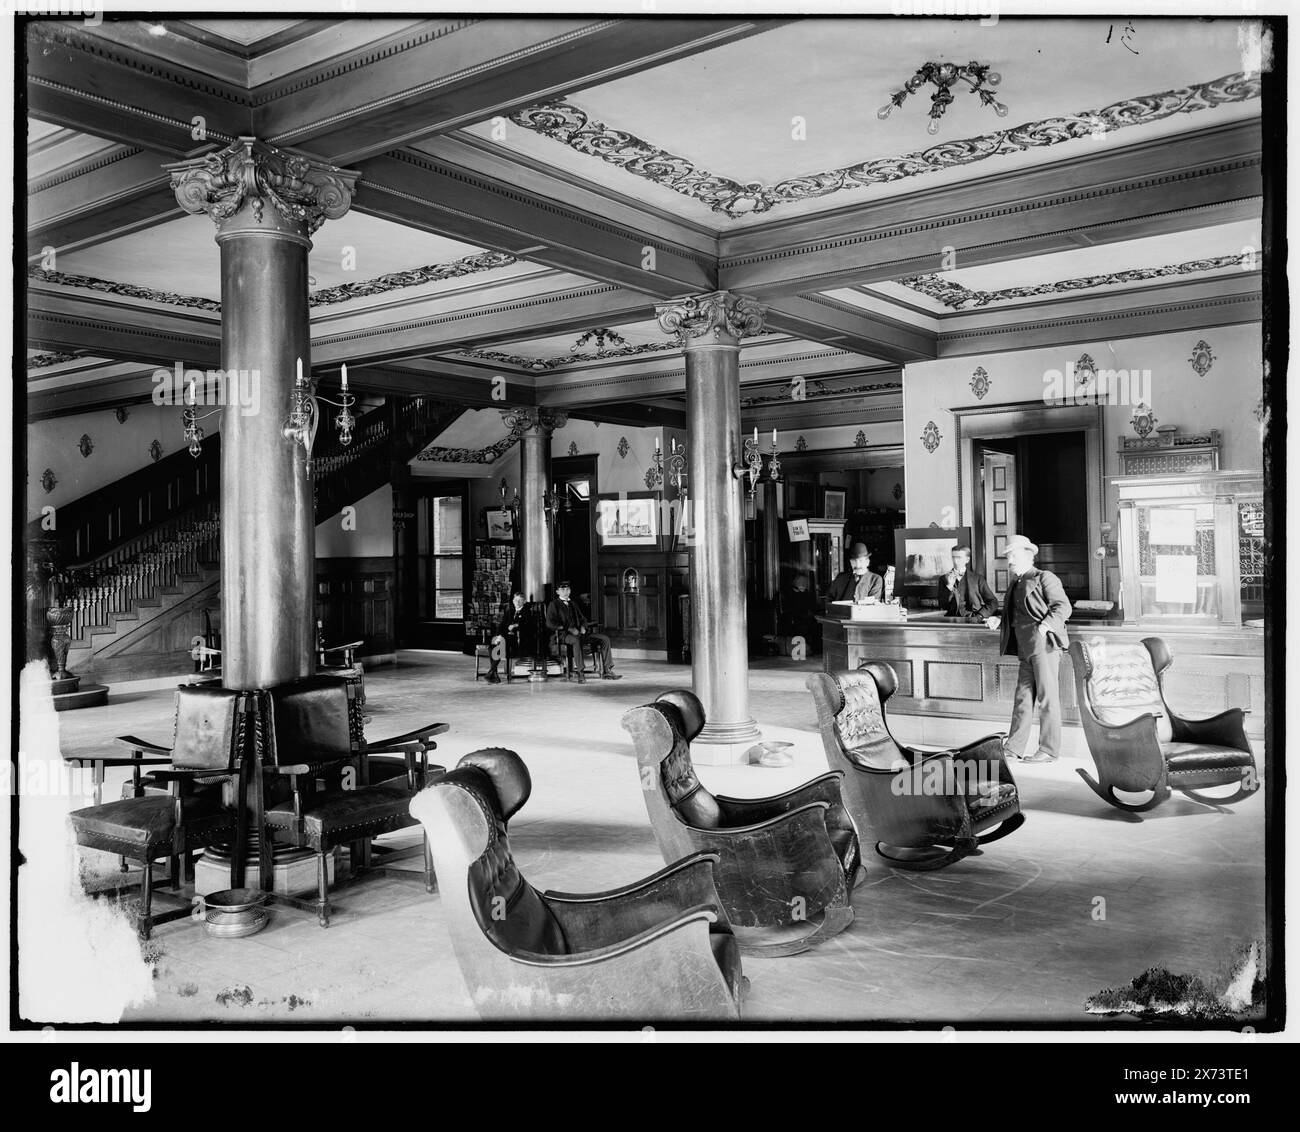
x=138 y=561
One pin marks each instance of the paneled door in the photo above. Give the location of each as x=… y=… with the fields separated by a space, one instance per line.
x=1000 y=515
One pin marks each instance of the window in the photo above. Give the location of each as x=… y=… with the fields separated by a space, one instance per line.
x=441 y=552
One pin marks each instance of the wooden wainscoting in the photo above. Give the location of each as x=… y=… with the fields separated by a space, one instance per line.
x=354 y=602
x=648 y=620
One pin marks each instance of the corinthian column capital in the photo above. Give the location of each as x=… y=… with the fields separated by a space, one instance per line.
x=720 y=317
x=303 y=193
x=529 y=419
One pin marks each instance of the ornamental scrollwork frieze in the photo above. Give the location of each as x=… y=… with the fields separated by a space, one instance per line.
x=720 y=316
x=525 y=420
x=302 y=190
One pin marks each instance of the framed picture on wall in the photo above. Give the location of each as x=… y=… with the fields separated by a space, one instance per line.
x=628 y=519
x=923 y=555
x=833 y=504
x=500 y=524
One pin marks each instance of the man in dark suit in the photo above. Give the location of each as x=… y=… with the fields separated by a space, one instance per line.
x=507 y=641
x=1033 y=628
x=857 y=583
x=565 y=615
x=964 y=593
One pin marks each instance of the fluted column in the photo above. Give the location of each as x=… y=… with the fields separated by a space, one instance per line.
x=266 y=203
x=709 y=328
x=534 y=427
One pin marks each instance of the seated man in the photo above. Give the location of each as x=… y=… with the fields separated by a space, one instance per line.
x=565 y=615
x=856 y=583
x=964 y=593
x=507 y=640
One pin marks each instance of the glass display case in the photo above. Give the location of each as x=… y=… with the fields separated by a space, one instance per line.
x=1191 y=548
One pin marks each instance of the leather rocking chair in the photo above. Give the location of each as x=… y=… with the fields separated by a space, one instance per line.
x=783 y=861
x=922 y=811
x=312 y=739
x=1138 y=743
x=660 y=948
x=197 y=801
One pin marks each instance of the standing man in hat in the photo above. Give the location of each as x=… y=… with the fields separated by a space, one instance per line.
x=1032 y=625
x=857 y=583
x=566 y=616
x=964 y=593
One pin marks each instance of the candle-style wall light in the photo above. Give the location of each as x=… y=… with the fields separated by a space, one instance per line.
x=304 y=412
x=752 y=464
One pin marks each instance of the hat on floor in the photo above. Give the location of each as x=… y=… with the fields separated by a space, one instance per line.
x=1019 y=542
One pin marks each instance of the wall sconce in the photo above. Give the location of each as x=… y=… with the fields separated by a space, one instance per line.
x=551 y=504
x=304 y=413
x=190 y=418
x=676 y=466
x=511 y=505
x=752 y=465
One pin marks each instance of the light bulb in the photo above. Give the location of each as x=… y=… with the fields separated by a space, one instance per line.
x=992 y=78
x=885 y=111
x=999 y=110
x=933 y=127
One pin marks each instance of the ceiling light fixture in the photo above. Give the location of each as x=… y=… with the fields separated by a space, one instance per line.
x=944 y=76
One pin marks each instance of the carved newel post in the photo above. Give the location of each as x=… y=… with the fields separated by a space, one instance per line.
x=709 y=329
x=266 y=203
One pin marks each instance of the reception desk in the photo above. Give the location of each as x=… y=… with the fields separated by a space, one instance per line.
x=952 y=669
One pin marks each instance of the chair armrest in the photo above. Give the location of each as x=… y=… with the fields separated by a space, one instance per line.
x=419 y=735
x=327 y=649
x=136 y=744
x=1227 y=729
x=702 y=914
x=603 y=918
x=112 y=760
x=188 y=775
x=823 y=788
x=411 y=747
x=762 y=827
x=287 y=770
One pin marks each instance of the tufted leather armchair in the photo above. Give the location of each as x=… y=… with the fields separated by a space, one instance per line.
x=1138 y=743
x=658 y=948
x=311 y=738
x=782 y=861
x=196 y=800
x=922 y=811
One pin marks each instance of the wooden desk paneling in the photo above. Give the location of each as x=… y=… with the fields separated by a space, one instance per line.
x=952 y=668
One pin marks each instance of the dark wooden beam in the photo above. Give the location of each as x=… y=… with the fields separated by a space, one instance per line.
x=448 y=75
x=819 y=319
x=430 y=195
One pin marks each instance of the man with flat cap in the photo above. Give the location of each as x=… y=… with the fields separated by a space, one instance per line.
x=857 y=583
x=566 y=616
x=964 y=593
x=1032 y=625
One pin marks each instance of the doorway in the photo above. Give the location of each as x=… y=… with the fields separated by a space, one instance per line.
x=1035 y=485
x=441 y=540
x=574 y=480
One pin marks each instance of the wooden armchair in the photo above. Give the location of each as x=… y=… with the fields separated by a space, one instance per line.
x=660 y=948
x=317 y=786
x=921 y=811
x=1139 y=743
x=789 y=859
x=206 y=772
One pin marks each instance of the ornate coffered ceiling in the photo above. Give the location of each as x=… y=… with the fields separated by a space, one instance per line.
x=524 y=183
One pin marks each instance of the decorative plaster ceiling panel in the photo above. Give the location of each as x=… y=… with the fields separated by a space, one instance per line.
x=724 y=114
x=182 y=257
x=1087 y=270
